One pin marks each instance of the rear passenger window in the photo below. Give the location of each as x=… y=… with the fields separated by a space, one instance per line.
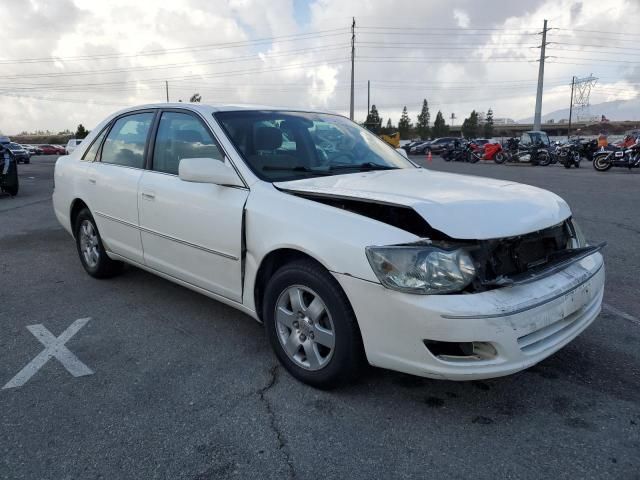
x=90 y=154
x=126 y=141
x=181 y=135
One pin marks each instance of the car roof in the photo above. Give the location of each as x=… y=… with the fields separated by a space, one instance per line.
x=207 y=108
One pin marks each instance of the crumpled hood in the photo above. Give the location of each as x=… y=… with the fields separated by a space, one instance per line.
x=461 y=206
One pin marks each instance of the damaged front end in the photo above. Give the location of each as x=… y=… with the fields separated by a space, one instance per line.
x=440 y=264
x=472 y=266
x=526 y=258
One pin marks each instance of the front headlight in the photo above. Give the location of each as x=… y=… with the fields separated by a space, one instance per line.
x=577 y=238
x=422 y=269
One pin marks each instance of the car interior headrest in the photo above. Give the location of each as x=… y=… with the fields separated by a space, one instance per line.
x=268 y=138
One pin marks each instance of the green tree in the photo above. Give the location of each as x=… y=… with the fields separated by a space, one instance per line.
x=373 y=121
x=404 y=125
x=195 y=98
x=470 y=125
x=422 y=126
x=389 y=124
x=81 y=132
x=488 y=124
x=440 y=129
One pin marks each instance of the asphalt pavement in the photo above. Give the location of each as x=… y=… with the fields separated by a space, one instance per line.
x=183 y=387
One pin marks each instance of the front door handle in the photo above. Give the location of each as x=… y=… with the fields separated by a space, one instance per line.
x=148 y=195
x=92 y=180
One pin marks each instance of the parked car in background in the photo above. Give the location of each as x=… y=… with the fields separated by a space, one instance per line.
x=19 y=153
x=346 y=252
x=439 y=144
x=31 y=150
x=51 y=150
x=480 y=141
x=72 y=144
x=419 y=148
x=408 y=146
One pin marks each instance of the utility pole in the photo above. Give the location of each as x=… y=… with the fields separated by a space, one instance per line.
x=353 y=55
x=166 y=88
x=368 y=96
x=573 y=82
x=537 y=118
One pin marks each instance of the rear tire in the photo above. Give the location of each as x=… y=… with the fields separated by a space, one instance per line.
x=544 y=159
x=600 y=164
x=499 y=158
x=91 y=251
x=311 y=326
x=472 y=158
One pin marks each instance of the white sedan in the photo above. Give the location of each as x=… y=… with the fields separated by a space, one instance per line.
x=342 y=247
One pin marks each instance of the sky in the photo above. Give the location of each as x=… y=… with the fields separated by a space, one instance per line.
x=65 y=62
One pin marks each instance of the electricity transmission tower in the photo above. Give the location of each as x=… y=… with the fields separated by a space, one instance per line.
x=580 y=93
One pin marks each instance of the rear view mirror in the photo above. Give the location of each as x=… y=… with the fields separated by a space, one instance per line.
x=208 y=170
x=402 y=152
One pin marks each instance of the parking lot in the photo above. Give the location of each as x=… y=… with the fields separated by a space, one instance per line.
x=180 y=386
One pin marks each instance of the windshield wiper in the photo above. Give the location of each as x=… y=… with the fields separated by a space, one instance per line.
x=299 y=168
x=363 y=167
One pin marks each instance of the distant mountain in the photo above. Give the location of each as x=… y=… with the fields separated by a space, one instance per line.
x=618 y=110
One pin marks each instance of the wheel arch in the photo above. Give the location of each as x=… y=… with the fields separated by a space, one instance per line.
x=270 y=263
x=77 y=205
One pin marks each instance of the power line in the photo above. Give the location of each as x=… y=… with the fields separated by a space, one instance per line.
x=170 y=65
x=596 y=31
x=238 y=44
x=457 y=29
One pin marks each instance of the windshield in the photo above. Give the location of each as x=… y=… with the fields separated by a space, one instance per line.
x=14 y=146
x=281 y=146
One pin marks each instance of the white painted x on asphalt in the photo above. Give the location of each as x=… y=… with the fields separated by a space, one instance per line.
x=54 y=348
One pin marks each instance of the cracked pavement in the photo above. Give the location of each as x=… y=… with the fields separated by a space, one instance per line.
x=187 y=388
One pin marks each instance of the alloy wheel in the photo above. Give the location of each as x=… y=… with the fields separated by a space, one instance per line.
x=304 y=327
x=89 y=243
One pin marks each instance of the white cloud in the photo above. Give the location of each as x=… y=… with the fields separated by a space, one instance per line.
x=457 y=71
x=462 y=18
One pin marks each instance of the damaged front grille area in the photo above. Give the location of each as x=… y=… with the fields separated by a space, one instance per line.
x=525 y=258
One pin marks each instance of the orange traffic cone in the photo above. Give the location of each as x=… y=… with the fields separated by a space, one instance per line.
x=429 y=157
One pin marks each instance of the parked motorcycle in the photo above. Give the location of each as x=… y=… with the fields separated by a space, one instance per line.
x=534 y=154
x=488 y=151
x=624 y=157
x=587 y=148
x=568 y=154
x=456 y=152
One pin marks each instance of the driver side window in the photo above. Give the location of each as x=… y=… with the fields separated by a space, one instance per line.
x=181 y=135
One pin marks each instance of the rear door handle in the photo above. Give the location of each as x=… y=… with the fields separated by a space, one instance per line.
x=148 y=195
x=92 y=180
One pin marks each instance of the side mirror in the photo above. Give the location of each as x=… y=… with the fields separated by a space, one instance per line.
x=402 y=152
x=208 y=170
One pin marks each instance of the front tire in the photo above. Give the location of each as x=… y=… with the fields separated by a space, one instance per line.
x=311 y=325
x=92 y=254
x=601 y=164
x=499 y=158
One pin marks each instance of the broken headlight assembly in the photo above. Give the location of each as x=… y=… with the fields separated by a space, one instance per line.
x=577 y=237
x=422 y=269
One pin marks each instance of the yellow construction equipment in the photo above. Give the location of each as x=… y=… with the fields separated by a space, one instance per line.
x=393 y=139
